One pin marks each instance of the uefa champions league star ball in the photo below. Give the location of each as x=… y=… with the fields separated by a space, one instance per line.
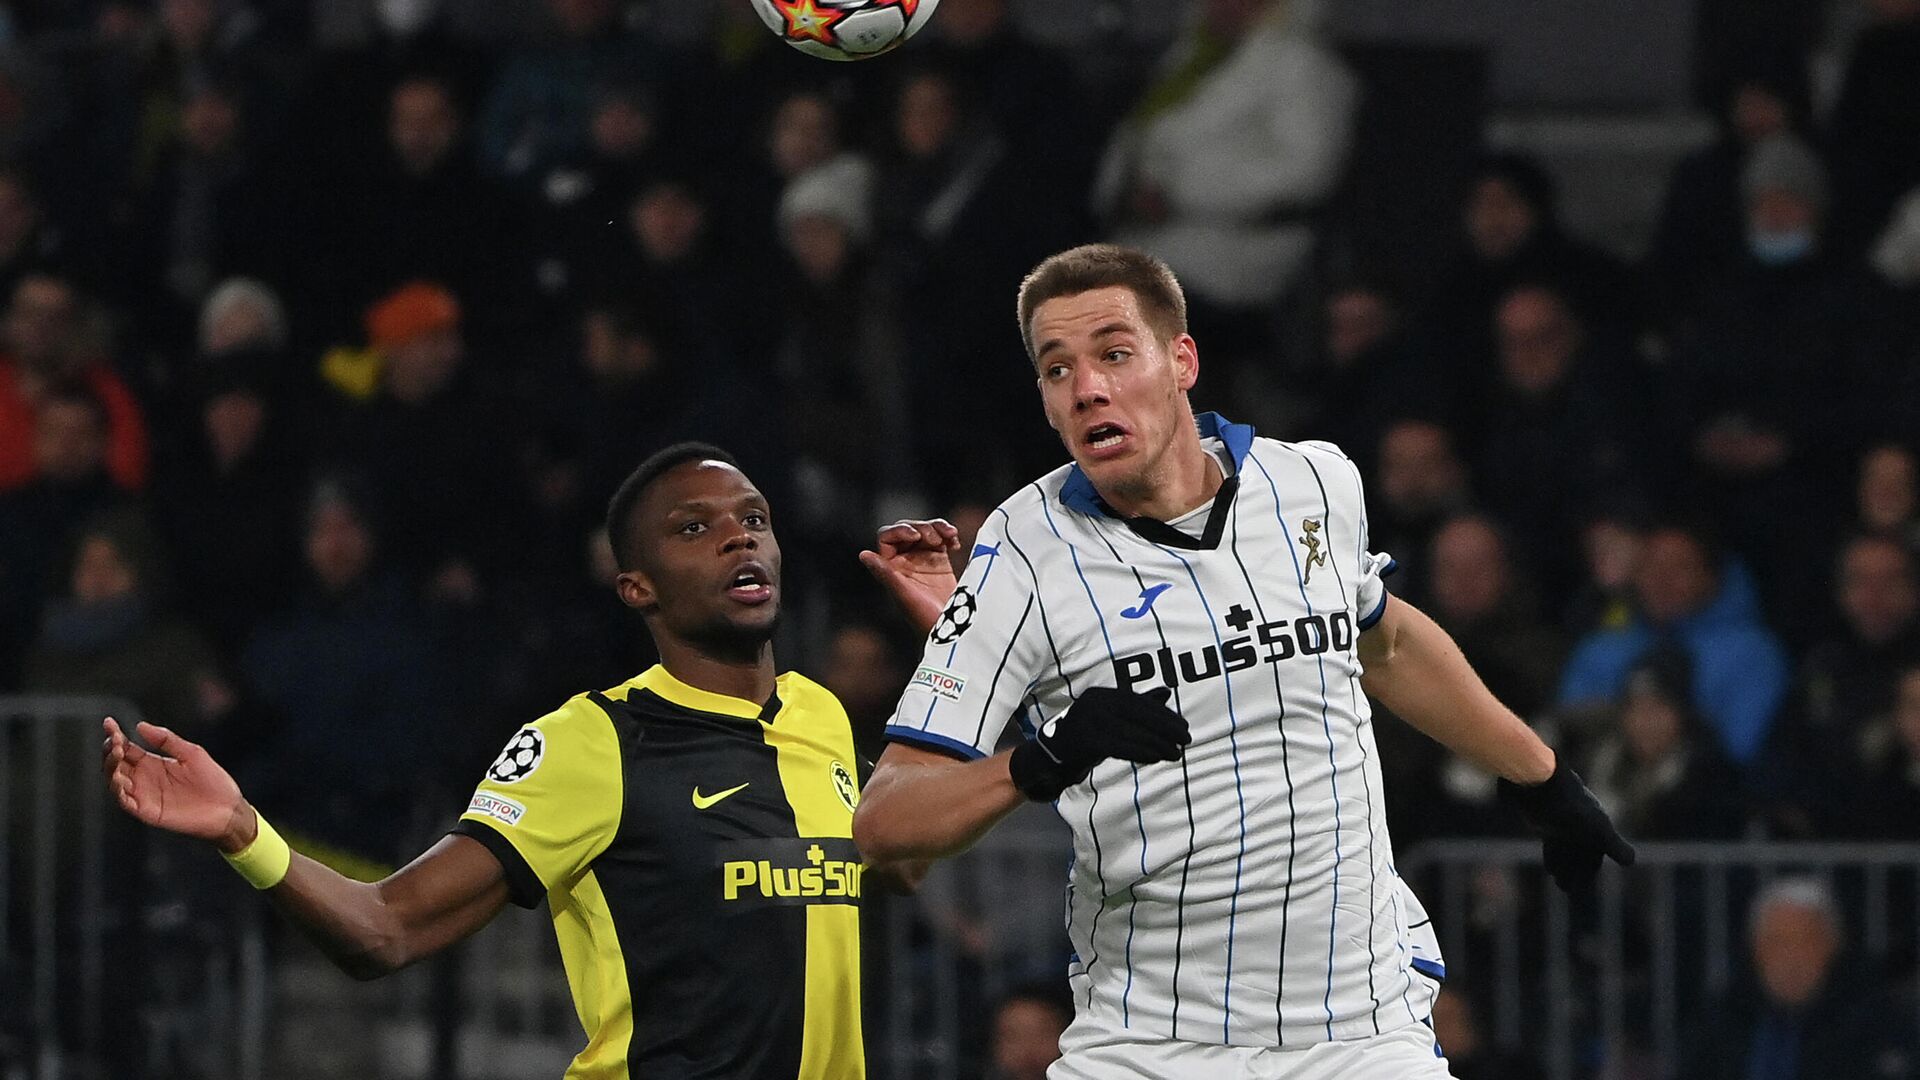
x=845 y=29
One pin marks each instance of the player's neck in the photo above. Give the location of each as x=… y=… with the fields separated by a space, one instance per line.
x=1183 y=483
x=749 y=680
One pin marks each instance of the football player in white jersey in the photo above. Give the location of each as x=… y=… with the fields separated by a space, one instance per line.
x=1183 y=622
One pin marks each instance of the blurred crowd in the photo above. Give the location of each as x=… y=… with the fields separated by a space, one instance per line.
x=326 y=330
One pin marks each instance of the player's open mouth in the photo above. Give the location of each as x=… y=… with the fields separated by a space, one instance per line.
x=751 y=584
x=1104 y=438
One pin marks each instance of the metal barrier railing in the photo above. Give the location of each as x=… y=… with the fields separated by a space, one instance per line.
x=1622 y=970
x=52 y=874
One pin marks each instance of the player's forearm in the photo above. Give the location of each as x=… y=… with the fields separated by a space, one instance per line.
x=915 y=810
x=1423 y=677
x=373 y=929
x=346 y=919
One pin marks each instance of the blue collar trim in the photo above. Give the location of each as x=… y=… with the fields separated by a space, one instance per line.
x=1077 y=491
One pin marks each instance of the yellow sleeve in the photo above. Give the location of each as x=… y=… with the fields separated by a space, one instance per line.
x=550 y=803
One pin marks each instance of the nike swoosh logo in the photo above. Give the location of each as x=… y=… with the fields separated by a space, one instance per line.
x=701 y=802
x=1147 y=597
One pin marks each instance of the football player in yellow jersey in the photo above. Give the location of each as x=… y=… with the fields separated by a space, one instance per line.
x=690 y=829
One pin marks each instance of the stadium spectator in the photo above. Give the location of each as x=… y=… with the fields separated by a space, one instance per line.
x=540 y=636
x=37 y=520
x=1846 y=681
x=355 y=687
x=1761 y=381
x=579 y=194
x=1229 y=151
x=420 y=208
x=1660 y=772
x=841 y=377
x=666 y=249
x=955 y=222
x=1874 y=131
x=1474 y=591
x=1478 y=595
x=1887 y=494
x=241 y=314
x=211 y=210
x=1888 y=803
x=1045 y=120
x=1687 y=593
x=1421 y=482
x=1471 y=1055
x=29 y=240
x=432 y=444
x=1611 y=540
x=111 y=630
x=865 y=669
x=631 y=388
x=1373 y=369
x=1555 y=432
x=1027 y=1024
x=1702 y=226
x=1804 y=1014
x=803 y=131
x=1512 y=235
x=539 y=111
x=45 y=344
x=228 y=496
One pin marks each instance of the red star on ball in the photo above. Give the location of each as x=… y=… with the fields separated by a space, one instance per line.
x=805 y=19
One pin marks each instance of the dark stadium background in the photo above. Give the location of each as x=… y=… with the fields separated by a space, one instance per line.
x=327 y=328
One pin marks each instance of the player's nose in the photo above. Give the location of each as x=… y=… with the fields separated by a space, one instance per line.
x=739 y=539
x=1089 y=388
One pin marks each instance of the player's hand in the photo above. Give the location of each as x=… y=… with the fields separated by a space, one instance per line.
x=1105 y=723
x=1576 y=831
x=180 y=788
x=912 y=562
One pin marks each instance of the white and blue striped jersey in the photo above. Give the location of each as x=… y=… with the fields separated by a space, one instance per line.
x=1246 y=894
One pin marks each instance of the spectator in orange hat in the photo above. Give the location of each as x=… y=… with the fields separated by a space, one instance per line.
x=430 y=439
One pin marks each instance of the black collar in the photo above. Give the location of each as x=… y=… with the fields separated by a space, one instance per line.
x=1155 y=531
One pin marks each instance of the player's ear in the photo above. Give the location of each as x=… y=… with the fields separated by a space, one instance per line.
x=1186 y=361
x=636 y=590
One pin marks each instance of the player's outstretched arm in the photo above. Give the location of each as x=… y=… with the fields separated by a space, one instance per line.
x=1414 y=668
x=922 y=804
x=369 y=930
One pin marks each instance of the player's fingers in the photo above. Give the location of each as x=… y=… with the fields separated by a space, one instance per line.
x=947 y=532
x=165 y=741
x=877 y=566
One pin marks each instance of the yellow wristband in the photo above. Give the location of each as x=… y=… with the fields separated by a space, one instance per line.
x=264 y=862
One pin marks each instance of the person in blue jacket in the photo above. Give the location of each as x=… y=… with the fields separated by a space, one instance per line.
x=1688 y=596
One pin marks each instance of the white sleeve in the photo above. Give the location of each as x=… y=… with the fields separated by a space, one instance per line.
x=982 y=656
x=1370 y=589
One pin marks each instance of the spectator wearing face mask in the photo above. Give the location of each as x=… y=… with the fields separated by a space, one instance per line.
x=1761 y=379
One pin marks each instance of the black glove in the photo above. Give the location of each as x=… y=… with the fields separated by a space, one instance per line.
x=1577 y=831
x=1105 y=723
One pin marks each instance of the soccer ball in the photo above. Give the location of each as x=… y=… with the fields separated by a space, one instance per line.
x=845 y=29
x=520 y=758
x=956 y=618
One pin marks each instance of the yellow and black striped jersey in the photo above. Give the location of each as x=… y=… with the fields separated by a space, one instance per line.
x=697 y=853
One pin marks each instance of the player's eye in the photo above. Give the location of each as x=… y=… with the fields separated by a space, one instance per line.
x=755 y=520
x=1056 y=371
x=693 y=528
x=1117 y=355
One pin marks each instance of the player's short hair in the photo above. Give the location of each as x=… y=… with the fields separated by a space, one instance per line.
x=1101 y=266
x=634 y=488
